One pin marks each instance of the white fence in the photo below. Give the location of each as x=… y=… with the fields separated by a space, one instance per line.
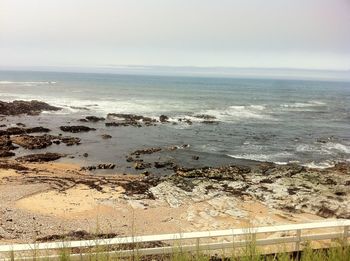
x=231 y=238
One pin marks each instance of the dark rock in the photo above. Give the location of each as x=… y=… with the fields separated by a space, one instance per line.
x=43 y=141
x=129 y=117
x=69 y=141
x=265 y=167
x=90 y=168
x=221 y=173
x=123 y=124
x=326 y=212
x=6 y=153
x=37 y=130
x=76 y=235
x=20 y=124
x=205 y=117
x=210 y=122
x=326 y=139
x=18 y=131
x=267 y=181
x=290 y=170
x=57 y=142
x=6 y=143
x=25 y=107
x=141 y=165
x=100 y=166
x=85 y=155
x=164 y=164
x=124 y=120
x=76 y=129
x=146 y=151
x=293 y=190
x=15 y=166
x=130 y=159
x=189 y=122
x=163 y=118
x=237 y=191
x=106 y=136
x=330 y=181
x=146 y=173
x=32 y=142
x=15 y=131
x=195 y=157
x=106 y=166
x=45 y=157
x=94 y=118
x=342 y=167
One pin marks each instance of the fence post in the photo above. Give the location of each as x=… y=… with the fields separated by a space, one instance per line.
x=198 y=249
x=346 y=233
x=298 y=240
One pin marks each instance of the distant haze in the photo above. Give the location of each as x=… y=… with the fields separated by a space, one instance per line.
x=301 y=34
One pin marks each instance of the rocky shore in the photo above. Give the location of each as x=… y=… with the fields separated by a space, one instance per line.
x=205 y=198
x=43 y=199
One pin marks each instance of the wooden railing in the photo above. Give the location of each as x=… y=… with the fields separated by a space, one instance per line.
x=293 y=234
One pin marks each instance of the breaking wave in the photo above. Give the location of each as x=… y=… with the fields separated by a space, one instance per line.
x=241 y=112
x=33 y=83
x=319 y=165
x=300 y=105
x=325 y=148
x=278 y=158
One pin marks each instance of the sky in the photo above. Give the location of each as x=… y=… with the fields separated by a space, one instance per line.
x=303 y=34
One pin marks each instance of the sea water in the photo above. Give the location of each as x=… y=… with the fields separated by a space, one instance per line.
x=282 y=121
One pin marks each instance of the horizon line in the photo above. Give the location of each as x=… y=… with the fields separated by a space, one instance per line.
x=157 y=66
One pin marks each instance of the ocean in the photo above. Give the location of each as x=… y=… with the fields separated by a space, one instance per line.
x=282 y=121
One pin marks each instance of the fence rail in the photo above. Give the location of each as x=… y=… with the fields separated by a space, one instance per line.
x=302 y=232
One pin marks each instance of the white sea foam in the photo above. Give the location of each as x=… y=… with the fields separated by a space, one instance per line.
x=318 y=165
x=300 y=105
x=336 y=147
x=276 y=157
x=240 y=112
x=33 y=83
x=325 y=148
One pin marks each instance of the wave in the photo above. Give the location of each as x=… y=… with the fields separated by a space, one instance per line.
x=33 y=83
x=240 y=112
x=319 y=165
x=277 y=158
x=274 y=158
x=326 y=148
x=300 y=105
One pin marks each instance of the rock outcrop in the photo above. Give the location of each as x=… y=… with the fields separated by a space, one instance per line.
x=76 y=129
x=92 y=119
x=45 y=157
x=290 y=187
x=25 y=107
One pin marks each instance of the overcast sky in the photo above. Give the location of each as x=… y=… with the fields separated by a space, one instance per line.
x=313 y=34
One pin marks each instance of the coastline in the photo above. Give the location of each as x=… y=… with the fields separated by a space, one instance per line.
x=46 y=198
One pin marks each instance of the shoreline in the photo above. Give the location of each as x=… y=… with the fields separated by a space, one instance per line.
x=43 y=197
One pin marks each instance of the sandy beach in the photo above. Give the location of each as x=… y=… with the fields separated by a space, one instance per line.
x=52 y=199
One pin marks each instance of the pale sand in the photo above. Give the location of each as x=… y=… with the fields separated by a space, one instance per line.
x=79 y=201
